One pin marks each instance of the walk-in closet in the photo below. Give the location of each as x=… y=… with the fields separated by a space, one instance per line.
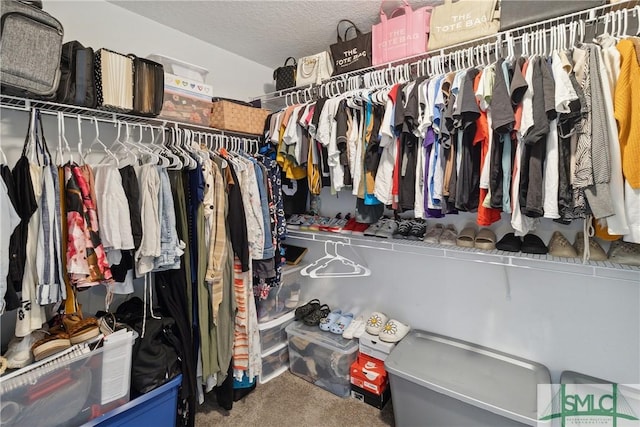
x=378 y=213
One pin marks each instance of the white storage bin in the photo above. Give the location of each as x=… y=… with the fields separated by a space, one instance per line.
x=180 y=68
x=281 y=299
x=273 y=334
x=321 y=357
x=440 y=381
x=275 y=361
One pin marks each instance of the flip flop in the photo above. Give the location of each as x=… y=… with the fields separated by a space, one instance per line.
x=433 y=233
x=341 y=324
x=485 y=240
x=467 y=237
x=304 y=310
x=316 y=316
x=449 y=235
x=394 y=331
x=326 y=323
x=375 y=322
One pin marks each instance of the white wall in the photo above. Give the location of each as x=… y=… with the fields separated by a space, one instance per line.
x=564 y=321
x=98 y=24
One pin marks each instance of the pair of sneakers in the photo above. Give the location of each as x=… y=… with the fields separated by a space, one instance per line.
x=388 y=330
x=410 y=229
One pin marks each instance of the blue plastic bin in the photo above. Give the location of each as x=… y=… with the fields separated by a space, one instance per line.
x=158 y=408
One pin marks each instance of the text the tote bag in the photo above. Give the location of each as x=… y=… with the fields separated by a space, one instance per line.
x=401 y=35
x=458 y=21
x=351 y=55
x=314 y=69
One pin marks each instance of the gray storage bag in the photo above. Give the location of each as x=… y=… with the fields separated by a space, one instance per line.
x=30 y=50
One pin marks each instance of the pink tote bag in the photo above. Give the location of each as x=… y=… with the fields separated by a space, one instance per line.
x=404 y=34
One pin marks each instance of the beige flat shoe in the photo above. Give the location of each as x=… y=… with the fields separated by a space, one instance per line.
x=485 y=240
x=559 y=246
x=596 y=253
x=467 y=238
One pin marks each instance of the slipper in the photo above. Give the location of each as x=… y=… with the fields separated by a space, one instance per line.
x=532 y=244
x=79 y=329
x=559 y=246
x=50 y=344
x=375 y=322
x=449 y=235
x=19 y=353
x=341 y=324
x=485 y=240
x=509 y=243
x=388 y=229
x=434 y=233
x=314 y=318
x=467 y=237
x=304 y=310
x=351 y=331
x=394 y=331
x=326 y=322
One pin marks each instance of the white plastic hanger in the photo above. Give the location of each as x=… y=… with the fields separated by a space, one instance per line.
x=62 y=138
x=319 y=269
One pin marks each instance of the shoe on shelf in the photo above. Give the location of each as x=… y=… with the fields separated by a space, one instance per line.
x=596 y=253
x=418 y=229
x=52 y=343
x=316 y=316
x=326 y=225
x=404 y=228
x=360 y=228
x=349 y=226
x=467 y=238
x=341 y=324
x=561 y=247
x=388 y=229
x=624 y=252
x=18 y=353
x=433 y=233
x=304 y=310
x=532 y=244
x=449 y=235
x=374 y=228
x=509 y=243
x=393 y=331
x=339 y=224
x=485 y=240
x=355 y=329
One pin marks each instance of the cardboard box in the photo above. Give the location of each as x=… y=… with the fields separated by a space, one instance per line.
x=369 y=374
x=375 y=400
x=372 y=346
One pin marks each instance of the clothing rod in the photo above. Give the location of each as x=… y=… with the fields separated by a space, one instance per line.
x=108 y=117
x=593 y=15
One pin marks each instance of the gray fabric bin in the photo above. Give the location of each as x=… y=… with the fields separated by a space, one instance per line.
x=444 y=382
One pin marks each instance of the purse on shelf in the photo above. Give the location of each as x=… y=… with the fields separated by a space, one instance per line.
x=285 y=76
x=459 y=21
x=353 y=54
x=314 y=69
x=401 y=34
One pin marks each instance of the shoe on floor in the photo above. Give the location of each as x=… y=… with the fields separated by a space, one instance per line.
x=560 y=246
x=624 y=252
x=596 y=253
x=433 y=233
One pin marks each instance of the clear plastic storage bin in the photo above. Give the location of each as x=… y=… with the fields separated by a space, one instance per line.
x=274 y=361
x=180 y=68
x=321 y=357
x=68 y=391
x=281 y=299
x=273 y=334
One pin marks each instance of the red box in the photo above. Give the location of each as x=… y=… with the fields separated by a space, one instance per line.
x=369 y=374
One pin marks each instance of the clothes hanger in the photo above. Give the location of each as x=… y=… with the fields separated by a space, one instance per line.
x=359 y=270
x=159 y=150
x=62 y=138
x=327 y=256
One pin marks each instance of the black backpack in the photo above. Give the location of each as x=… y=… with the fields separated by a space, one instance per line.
x=156 y=355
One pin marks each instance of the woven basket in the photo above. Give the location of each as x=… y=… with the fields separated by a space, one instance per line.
x=234 y=117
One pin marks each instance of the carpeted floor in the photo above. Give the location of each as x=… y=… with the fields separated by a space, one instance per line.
x=291 y=401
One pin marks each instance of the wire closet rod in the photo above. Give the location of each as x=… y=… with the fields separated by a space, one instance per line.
x=593 y=15
x=109 y=117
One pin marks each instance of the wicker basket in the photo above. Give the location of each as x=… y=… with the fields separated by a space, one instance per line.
x=227 y=115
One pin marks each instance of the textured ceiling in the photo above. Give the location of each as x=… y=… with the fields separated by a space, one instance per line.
x=266 y=32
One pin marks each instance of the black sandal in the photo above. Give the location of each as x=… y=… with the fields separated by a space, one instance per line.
x=304 y=310
x=316 y=316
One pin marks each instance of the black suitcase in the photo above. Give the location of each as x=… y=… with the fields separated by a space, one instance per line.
x=77 y=81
